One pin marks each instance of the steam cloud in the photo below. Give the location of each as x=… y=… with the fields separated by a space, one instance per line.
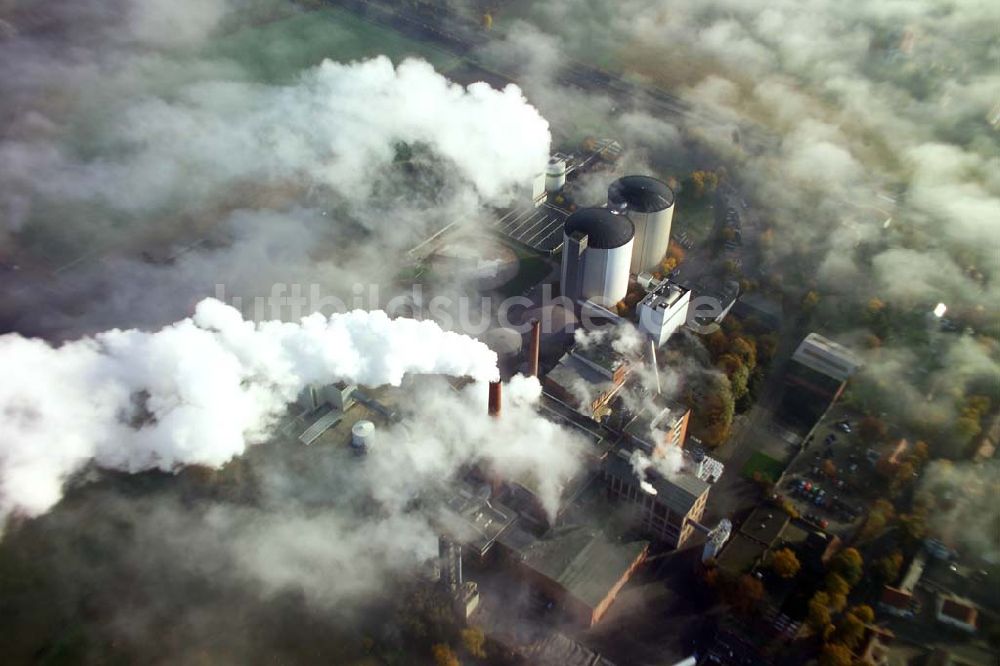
x=195 y=392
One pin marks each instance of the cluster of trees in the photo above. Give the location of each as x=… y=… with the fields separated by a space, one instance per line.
x=675 y=257
x=712 y=410
x=841 y=629
x=473 y=641
x=741 y=593
x=971 y=412
x=902 y=473
x=701 y=182
x=428 y=623
x=880 y=516
x=785 y=563
x=741 y=354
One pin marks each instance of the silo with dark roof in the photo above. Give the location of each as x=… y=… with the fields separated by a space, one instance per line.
x=650 y=205
x=597 y=252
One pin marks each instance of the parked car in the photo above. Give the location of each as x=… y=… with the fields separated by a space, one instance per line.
x=844 y=426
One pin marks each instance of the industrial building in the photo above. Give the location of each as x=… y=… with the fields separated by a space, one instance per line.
x=649 y=203
x=578 y=567
x=597 y=253
x=817 y=375
x=588 y=377
x=672 y=513
x=664 y=310
x=658 y=427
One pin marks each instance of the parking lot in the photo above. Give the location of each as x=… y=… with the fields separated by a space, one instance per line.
x=829 y=482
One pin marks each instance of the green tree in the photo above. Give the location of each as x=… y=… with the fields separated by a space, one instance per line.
x=743 y=594
x=443 y=655
x=835 y=655
x=785 y=564
x=913 y=526
x=872 y=430
x=818 y=617
x=886 y=569
x=746 y=350
x=474 y=641
x=810 y=301
x=850 y=630
x=849 y=565
x=864 y=613
x=737 y=372
x=835 y=584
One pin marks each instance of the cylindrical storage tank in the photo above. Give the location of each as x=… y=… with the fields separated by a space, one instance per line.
x=555 y=175
x=650 y=205
x=597 y=252
x=361 y=435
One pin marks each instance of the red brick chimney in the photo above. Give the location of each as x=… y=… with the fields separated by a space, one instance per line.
x=534 y=348
x=496 y=393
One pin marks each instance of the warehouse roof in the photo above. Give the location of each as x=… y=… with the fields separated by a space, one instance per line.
x=605 y=230
x=582 y=560
x=643 y=194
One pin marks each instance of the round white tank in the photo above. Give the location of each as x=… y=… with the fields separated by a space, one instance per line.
x=605 y=274
x=650 y=204
x=361 y=434
x=555 y=175
x=596 y=267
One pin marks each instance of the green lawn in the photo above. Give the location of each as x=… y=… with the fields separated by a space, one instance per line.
x=531 y=269
x=767 y=466
x=695 y=218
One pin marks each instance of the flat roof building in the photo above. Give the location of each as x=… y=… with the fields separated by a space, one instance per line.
x=670 y=512
x=655 y=429
x=664 y=310
x=816 y=376
x=578 y=567
x=588 y=376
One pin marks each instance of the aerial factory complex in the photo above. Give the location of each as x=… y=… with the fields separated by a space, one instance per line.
x=496 y=333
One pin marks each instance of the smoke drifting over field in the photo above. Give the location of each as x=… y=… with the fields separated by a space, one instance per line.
x=196 y=392
x=147 y=148
x=147 y=155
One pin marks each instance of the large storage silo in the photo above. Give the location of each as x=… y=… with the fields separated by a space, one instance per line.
x=650 y=204
x=597 y=252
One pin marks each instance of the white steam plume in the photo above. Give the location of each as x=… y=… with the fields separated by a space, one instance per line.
x=668 y=463
x=195 y=392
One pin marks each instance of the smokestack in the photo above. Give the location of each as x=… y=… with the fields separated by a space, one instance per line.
x=534 y=348
x=496 y=395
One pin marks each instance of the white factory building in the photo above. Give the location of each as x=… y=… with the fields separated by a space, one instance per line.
x=597 y=253
x=664 y=310
x=649 y=203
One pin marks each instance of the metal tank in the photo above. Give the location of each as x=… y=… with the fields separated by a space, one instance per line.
x=649 y=203
x=555 y=175
x=597 y=252
x=361 y=435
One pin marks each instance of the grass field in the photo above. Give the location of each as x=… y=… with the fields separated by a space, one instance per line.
x=767 y=466
x=277 y=51
x=695 y=218
x=531 y=269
